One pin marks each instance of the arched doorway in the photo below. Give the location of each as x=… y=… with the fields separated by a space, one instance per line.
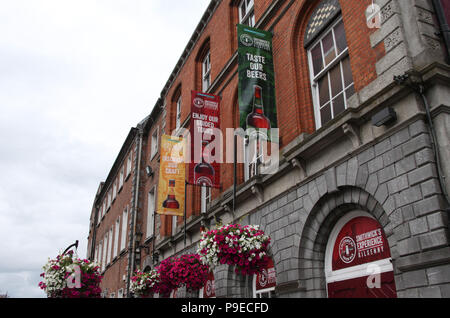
x=358 y=259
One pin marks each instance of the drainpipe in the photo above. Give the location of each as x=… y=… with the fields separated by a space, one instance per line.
x=132 y=243
x=420 y=90
x=443 y=26
x=94 y=234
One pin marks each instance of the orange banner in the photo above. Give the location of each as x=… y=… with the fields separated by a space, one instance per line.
x=171 y=176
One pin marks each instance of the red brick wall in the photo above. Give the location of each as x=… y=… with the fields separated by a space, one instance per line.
x=293 y=90
x=293 y=97
x=362 y=56
x=112 y=279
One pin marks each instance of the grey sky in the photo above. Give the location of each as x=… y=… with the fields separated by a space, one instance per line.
x=75 y=76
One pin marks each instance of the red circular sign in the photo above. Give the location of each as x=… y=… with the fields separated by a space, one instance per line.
x=347 y=250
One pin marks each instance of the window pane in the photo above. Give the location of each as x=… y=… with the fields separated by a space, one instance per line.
x=325 y=114
x=339 y=33
x=316 y=55
x=348 y=78
x=328 y=48
x=242 y=9
x=338 y=105
x=350 y=91
x=336 y=80
x=324 y=93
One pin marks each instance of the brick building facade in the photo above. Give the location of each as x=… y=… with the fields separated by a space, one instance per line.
x=338 y=75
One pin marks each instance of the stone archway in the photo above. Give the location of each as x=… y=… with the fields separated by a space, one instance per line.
x=318 y=226
x=358 y=261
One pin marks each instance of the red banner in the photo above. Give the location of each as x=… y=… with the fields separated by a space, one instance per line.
x=204 y=169
x=360 y=241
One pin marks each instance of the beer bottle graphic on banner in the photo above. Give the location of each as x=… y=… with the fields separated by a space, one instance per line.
x=256 y=119
x=171 y=202
x=203 y=171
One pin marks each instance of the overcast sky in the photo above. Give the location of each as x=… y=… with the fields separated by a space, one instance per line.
x=75 y=76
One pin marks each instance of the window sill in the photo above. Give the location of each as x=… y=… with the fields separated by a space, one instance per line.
x=149 y=239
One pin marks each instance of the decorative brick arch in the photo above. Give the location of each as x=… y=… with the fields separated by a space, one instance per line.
x=318 y=226
x=201 y=53
x=300 y=62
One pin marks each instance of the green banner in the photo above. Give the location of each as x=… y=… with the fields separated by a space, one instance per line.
x=257 y=104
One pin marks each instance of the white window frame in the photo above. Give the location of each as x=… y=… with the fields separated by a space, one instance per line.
x=116 y=238
x=314 y=79
x=154 y=145
x=123 y=241
x=114 y=193
x=121 y=177
x=129 y=163
x=246 y=10
x=109 y=199
x=206 y=72
x=100 y=214
x=100 y=254
x=105 y=251
x=178 y=113
x=151 y=212
x=205 y=198
x=104 y=208
x=110 y=245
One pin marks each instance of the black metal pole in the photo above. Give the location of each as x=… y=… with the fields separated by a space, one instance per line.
x=74 y=244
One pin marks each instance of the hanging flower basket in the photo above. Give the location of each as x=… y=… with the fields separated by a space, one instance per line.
x=145 y=284
x=70 y=277
x=187 y=270
x=245 y=247
x=168 y=280
x=190 y=272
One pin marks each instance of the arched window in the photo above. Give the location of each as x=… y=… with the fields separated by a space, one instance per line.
x=247 y=12
x=206 y=72
x=177 y=105
x=329 y=63
x=203 y=67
